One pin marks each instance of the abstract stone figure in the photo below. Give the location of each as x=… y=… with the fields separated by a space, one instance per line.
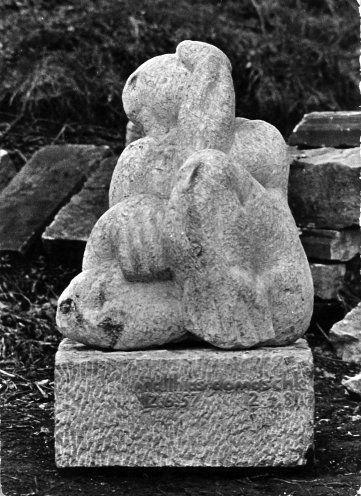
x=199 y=239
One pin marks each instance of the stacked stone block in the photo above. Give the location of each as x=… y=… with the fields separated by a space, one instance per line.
x=324 y=189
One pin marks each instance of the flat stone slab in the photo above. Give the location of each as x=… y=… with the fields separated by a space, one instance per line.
x=183 y=407
x=346 y=336
x=328 y=279
x=331 y=245
x=324 y=188
x=336 y=129
x=42 y=186
x=71 y=227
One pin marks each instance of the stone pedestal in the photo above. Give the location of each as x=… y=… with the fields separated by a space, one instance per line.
x=186 y=407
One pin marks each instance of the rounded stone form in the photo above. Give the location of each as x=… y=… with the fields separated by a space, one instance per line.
x=198 y=211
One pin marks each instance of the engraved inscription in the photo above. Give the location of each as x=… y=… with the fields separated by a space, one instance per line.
x=267 y=401
x=166 y=400
x=296 y=378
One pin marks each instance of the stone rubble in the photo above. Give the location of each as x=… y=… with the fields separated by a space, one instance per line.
x=346 y=336
x=324 y=188
x=353 y=384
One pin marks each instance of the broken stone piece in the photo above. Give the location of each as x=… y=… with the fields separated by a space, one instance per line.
x=198 y=222
x=324 y=188
x=326 y=244
x=198 y=407
x=30 y=201
x=320 y=129
x=327 y=279
x=67 y=235
x=353 y=384
x=346 y=336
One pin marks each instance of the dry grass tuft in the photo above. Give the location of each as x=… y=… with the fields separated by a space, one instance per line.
x=68 y=59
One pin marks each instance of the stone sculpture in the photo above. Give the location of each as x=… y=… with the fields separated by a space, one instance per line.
x=199 y=239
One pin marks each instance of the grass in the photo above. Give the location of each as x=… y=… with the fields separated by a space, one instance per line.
x=68 y=60
x=28 y=297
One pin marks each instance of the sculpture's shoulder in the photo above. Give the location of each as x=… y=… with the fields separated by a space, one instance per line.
x=137 y=148
x=149 y=147
x=260 y=132
x=129 y=166
x=260 y=147
x=257 y=125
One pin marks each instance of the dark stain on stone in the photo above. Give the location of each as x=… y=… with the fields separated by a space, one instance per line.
x=67 y=306
x=195 y=173
x=112 y=330
x=101 y=297
x=132 y=82
x=79 y=318
x=197 y=249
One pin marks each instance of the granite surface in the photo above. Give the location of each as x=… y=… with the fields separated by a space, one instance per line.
x=198 y=221
x=324 y=188
x=183 y=407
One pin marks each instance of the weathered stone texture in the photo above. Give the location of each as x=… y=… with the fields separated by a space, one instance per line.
x=72 y=226
x=326 y=244
x=346 y=336
x=113 y=311
x=327 y=279
x=41 y=187
x=319 y=129
x=7 y=169
x=324 y=188
x=198 y=206
x=197 y=407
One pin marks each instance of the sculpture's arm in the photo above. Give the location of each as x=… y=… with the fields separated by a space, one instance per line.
x=207 y=113
x=128 y=235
